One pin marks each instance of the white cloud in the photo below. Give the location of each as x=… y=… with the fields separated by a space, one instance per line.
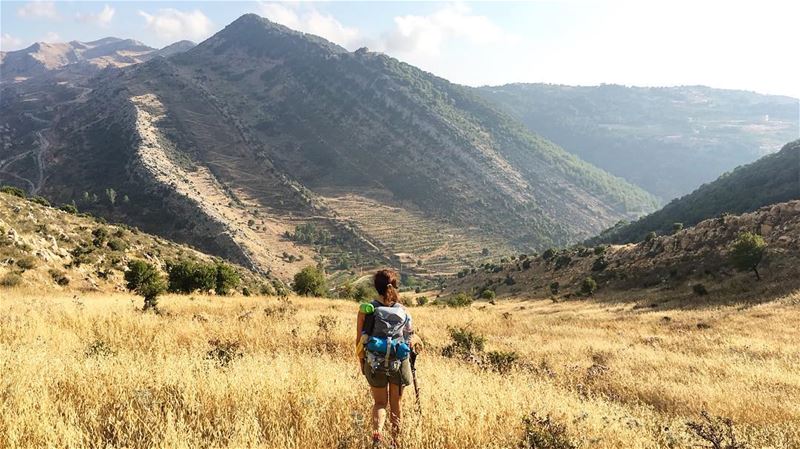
x=38 y=10
x=172 y=24
x=9 y=42
x=426 y=35
x=309 y=20
x=102 y=18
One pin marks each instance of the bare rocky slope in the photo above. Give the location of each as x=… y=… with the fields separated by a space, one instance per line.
x=44 y=247
x=666 y=267
x=43 y=58
x=232 y=144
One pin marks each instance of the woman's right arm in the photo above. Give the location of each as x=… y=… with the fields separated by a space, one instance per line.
x=360 y=325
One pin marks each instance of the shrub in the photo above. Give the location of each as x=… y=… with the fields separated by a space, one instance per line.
x=747 y=252
x=144 y=279
x=510 y=280
x=227 y=279
x=650 y=236
x=117 y=244
x=310 y=282
x=460 y=300
x=364 y=292
x=11 y=280
x=554 y=286
x=223 y=352
x=526 y=263
x=69 y=208
x=502 y=361
x=464 y=343
x=699 y=289
x=266 y=290
x=346 y=290
x=59 y=277
x=599 y=264
x=99 y=348
x=100 y=236
x=15 y=191
x=716 y=431
x=544 y=433
x=422 y=300
x=41 y=201
x=27 y=263
x=588 y=286
x=677 y=227
x=549 y=253
x=600 y=250
x=563 y=261
x=488 y=294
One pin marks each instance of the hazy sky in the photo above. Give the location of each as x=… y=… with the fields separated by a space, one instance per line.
x=750 y=45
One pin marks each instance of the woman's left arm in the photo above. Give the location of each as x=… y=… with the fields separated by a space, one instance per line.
x=411 y=336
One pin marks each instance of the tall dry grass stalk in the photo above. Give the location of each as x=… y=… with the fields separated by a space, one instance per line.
x=92 y=371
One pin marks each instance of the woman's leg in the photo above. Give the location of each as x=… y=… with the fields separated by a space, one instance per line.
x=395 y=397
x=380 y=396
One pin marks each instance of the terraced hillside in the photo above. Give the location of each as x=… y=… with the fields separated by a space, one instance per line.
x=258 y=122
x=423 y=245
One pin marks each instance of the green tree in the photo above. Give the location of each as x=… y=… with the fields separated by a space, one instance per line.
x=145 y=279
x=747 y=252
x=186 y=276
x=488 y=294
x=227 y=279
x=588 y=286
x=111 y=194
x=310 y=281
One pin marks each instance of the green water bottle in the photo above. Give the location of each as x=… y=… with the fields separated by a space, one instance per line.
x=366 y=308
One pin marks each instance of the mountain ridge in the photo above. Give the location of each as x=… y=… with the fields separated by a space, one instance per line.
x=261 y=124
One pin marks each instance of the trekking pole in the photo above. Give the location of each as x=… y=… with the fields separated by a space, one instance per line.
x=413 y=359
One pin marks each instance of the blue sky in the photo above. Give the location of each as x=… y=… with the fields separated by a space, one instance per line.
x=748 y=45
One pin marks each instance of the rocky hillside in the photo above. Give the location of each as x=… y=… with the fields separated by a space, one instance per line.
x=45 y=247
x=666 y=140
x=260 y=129
x=772 y=179
x=665 y=267
x=44 y=58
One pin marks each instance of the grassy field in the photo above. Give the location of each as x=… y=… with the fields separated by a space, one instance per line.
x=92 y=371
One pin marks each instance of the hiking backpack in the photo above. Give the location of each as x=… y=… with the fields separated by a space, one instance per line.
x=386 y=348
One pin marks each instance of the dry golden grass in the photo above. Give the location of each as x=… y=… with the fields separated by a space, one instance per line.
x=92 y=371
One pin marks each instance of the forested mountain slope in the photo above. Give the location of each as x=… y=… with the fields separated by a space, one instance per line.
x=667 y=140
x=772 y=179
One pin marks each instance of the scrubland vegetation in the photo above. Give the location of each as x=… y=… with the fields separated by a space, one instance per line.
x=92 y=370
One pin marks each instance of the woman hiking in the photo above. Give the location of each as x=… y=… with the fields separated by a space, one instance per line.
x=384 y=340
